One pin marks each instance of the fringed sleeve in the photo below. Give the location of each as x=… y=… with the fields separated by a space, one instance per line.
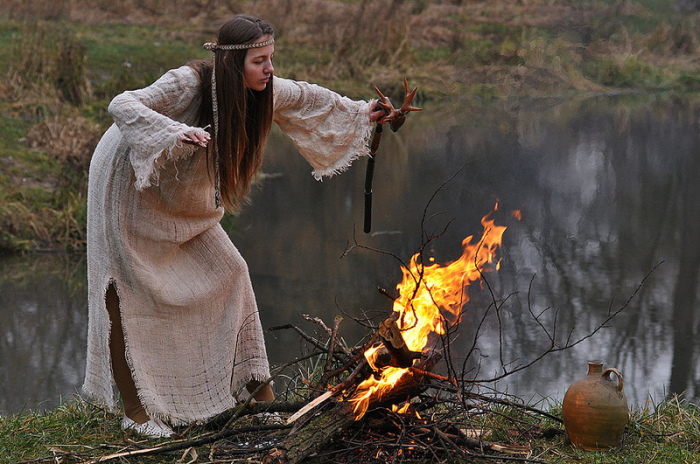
x=329 y=130
x=147 y=119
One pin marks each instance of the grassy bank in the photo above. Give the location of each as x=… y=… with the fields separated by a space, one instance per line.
x=61 y=63
x=668 y=432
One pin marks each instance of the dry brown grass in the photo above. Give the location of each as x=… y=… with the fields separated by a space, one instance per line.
x=448 y=46
x=47 y=83
x=375 y=41
x=69 y=140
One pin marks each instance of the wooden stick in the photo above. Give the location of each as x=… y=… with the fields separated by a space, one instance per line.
x=331 y=343
x=369 y=176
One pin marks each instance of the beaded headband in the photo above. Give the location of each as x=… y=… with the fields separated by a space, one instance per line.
x=213 y=47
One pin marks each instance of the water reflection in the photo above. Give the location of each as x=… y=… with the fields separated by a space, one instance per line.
x=606 y=190
x=43 y=308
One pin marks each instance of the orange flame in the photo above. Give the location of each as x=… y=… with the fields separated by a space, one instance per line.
x=431 y=299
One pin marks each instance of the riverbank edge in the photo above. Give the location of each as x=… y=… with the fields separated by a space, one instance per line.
x=78 y=431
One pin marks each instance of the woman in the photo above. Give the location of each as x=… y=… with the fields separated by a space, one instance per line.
x=173 y=319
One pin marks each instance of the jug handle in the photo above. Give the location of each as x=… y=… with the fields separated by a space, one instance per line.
x=606 y=374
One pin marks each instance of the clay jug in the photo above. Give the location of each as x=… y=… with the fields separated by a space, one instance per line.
x=595 y=409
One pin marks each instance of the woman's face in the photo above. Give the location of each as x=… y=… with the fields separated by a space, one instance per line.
x=257 y=66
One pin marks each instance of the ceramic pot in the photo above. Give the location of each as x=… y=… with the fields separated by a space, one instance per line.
x=595 y=409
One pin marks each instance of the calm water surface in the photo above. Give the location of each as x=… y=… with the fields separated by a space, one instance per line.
x=607 y=190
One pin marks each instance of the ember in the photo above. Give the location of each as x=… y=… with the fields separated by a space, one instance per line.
x=431 y=299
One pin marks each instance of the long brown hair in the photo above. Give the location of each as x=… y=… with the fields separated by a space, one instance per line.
x=245 y=115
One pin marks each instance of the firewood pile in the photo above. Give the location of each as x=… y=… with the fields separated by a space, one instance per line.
x=423 y=417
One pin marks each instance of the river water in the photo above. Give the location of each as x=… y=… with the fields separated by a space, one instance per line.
x=607 y=191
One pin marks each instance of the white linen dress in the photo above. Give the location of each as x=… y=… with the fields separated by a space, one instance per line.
x=190 y=320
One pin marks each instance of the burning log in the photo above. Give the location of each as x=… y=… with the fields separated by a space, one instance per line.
x=399 y=353
x=314 y=432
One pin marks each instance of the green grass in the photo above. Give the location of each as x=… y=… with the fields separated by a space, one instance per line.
x=665 y=432
x=658 y=7
x=74 y=427
x=134 y=56
x=13 y=128
x=8 y=33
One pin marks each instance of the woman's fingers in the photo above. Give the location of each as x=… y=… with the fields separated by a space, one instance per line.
x=200 y=138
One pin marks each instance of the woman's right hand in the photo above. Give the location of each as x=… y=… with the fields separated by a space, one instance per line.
x=196 y=137
x=377 y=113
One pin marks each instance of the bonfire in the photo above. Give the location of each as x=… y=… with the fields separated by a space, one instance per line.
x=431 y=299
